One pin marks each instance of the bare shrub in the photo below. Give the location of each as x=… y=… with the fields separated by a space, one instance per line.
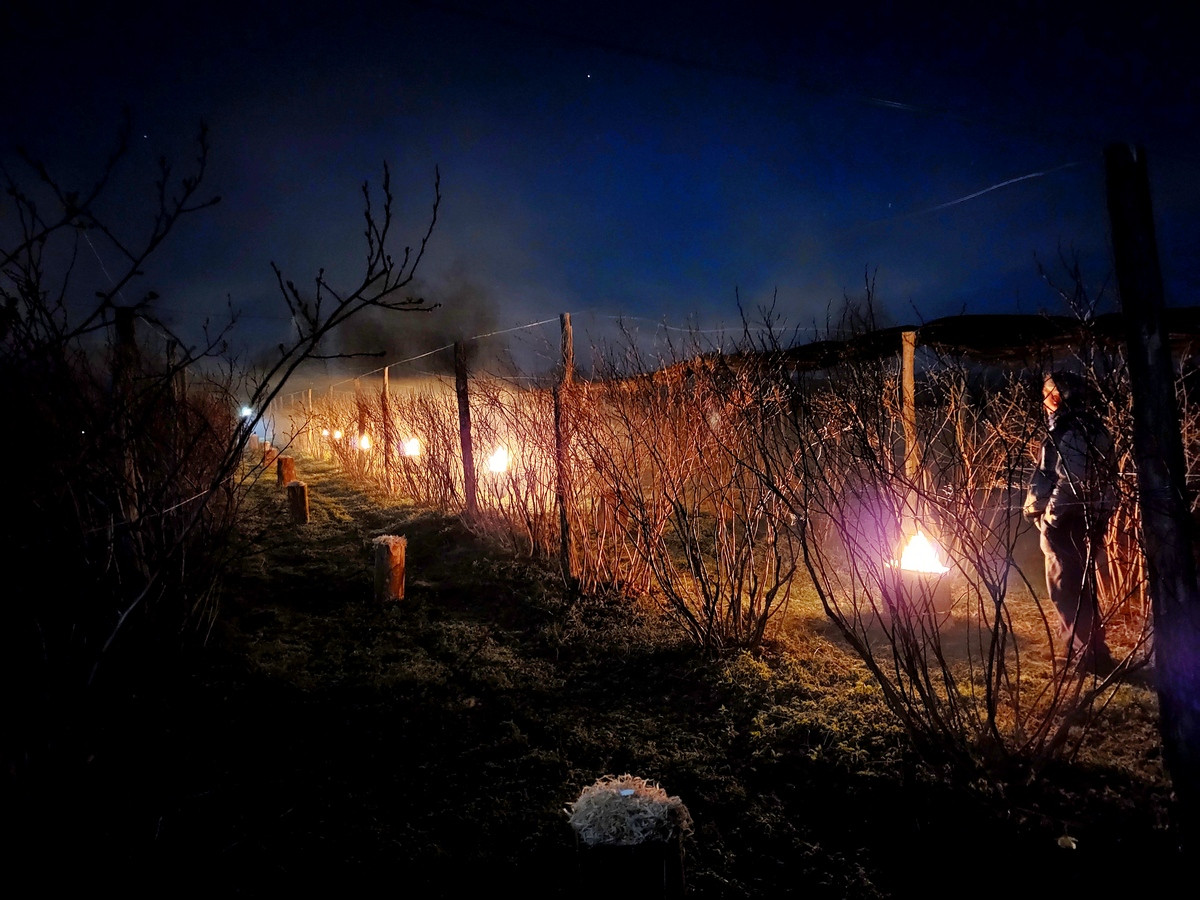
x=966 y=657
x=677 y=511
x=514 y=459
x=130 y=456
x=428 y=413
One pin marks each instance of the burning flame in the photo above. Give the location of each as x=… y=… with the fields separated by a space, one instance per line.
x=920 y=555
x=498 y=461
x=411 y=447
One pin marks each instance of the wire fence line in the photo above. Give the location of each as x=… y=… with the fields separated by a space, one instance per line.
x=543 y=351
x=670 y=425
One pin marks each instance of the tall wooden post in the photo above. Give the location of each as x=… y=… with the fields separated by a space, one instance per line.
x=908 y=412
x=562 y=439
x=908 y=389
x=178 y=375
x=361 y=406
x=464 y=428
x=178 y=372
x=124 y=362
x=1162 y=488
x=386 y=414
x=328 y=454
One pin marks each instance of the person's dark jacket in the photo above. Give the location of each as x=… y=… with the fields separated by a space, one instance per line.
x=1076 y=471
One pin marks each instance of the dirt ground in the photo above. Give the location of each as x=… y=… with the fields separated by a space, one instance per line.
x=323 y=743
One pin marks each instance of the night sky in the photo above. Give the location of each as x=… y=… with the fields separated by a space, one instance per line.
x=638 y=160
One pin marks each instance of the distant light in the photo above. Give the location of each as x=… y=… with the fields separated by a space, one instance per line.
x=411 y=447
x=337 y=434
x=247 y=412
x=324 y=432
x=498 y=461
x=364 y=442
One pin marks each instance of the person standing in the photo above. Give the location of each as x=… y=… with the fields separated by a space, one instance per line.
x=1071 y=496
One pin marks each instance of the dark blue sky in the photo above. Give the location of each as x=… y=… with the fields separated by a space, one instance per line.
x=619 y=159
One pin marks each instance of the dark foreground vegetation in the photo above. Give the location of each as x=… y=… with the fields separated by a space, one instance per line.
x=324 y=744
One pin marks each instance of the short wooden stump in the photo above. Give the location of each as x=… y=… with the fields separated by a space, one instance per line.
x=297 y=495
x=389 y=567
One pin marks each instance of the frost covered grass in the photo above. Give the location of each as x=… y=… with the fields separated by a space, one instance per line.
x=325 y=737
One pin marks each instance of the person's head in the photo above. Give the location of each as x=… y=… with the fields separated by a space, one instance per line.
x=1050 y=396
x=1063 y=389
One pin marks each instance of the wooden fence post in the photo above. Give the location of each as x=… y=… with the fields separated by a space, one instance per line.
x=124 y=362
x=464 y=428
x=386 y=449
x=908 y=412
x=390 y=550
x=1162 y=486
x=178 y=376
x=311 y=429
x=178 y=372
x=908 y=382
x=361 y=406
x=562 y=439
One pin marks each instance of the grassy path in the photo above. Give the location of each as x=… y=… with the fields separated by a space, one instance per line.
x=430 y=746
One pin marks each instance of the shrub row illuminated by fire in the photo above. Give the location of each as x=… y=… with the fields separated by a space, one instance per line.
x=497 y=462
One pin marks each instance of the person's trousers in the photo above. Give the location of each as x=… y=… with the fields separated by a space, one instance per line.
x=1072 y=590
